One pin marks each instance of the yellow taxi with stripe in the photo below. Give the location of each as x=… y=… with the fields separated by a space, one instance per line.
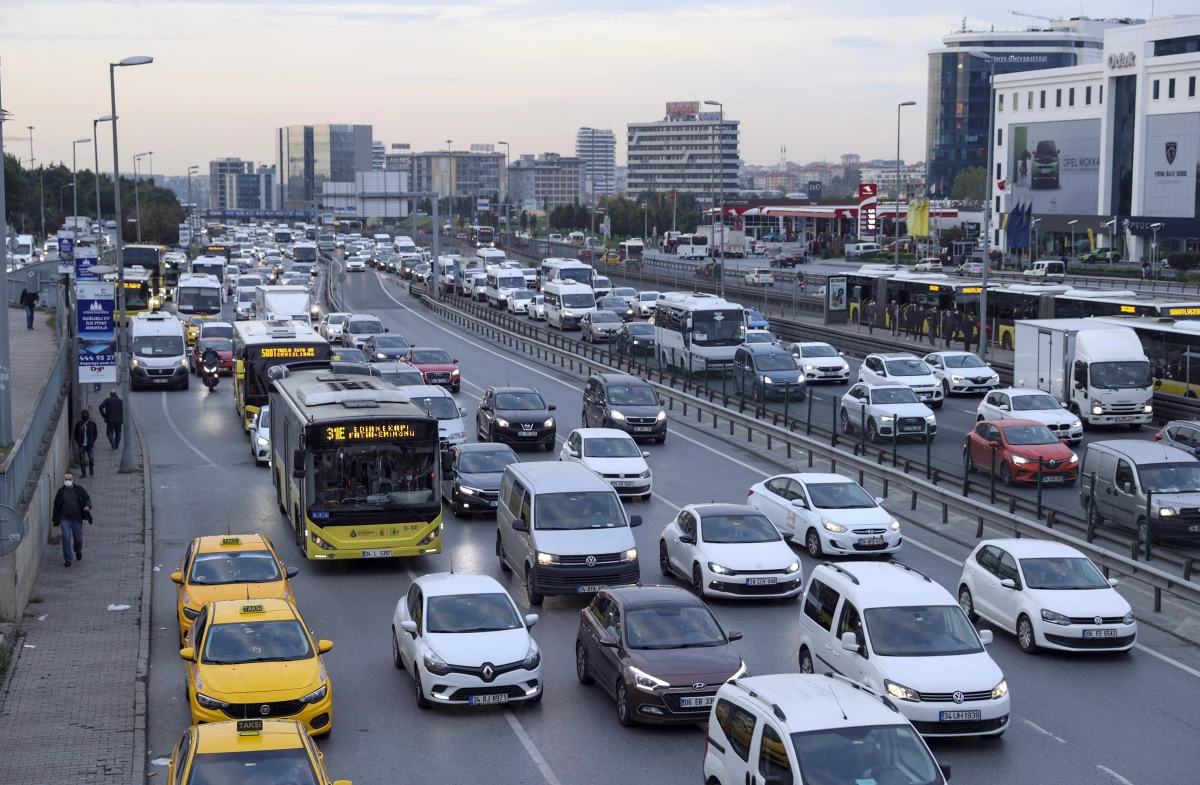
x=245 y=751
x=192 y=329
x=255 y=659
x=228 y=567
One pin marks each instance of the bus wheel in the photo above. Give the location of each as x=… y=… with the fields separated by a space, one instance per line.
x=279 y=498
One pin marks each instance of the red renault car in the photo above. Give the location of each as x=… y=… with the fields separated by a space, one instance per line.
x=436 y=366
x=1019 y=444
x=223 y=348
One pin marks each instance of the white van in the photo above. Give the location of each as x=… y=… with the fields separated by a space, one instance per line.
x=159 y=351
x=502 y=283
x=25 y=249
x=382 y=240
x=439 y=404
x=490 y=256
x=403 y=244
x=566 y=303
x=862 y=250
x=563 y=528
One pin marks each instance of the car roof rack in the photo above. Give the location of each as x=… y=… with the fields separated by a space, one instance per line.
x=775 y=709
x=842 y=570
x=863 y=688
x=914 y=570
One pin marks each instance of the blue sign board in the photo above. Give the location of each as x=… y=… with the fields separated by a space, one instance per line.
x=482 y=204
x=96 y=330
x=298 y=215
x=85 y=260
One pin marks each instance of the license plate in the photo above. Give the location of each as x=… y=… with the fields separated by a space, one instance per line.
x=377 y=554
x=952 y=716
x=622 y=483
x=642 y=429
x=978 y=389
x=696 y=703
x=761 y=581
x=1099 y=633
x=1052 y=478
x=480 y=700
x=1194 y=528
x=832 y=373
x=588 y=589
x=870 y=541
x=912 y=429
x=927 y=395
x=1123 y=419
x=526 y=433
x=159 y=381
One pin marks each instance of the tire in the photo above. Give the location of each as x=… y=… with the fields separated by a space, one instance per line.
x=1025 y=636
x=664 y=564
x=583 y=418
x=1006 y=478
x=500 y=553
x=581 y=665
x=756 y=392
x=455 y=505
x=938 y=404
x=418 y=692
x=184 y=386
x=872 y=432
x=805 y=659
x=531 y=595
x=660 y=439
x=697 y=581
x=623 y=715
x=1133 y=426
x=945 y=389
x=396 y=660
x=967 y=603
x=968 y=461
x=1143 y=531
x=846 y=426
x=812 y=544
x=491 y=434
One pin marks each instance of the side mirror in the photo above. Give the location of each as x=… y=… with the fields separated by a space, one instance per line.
x=1008 y=583
x=1113 y=581
x=733 y=635
x=687 y=538
x=945 y=767
x=1066 y=405
x=1127 y=487
x=409 y=627
x=662 y=401
x=879 y=500
x=841 y=354
x=324 y=646
x=520 y=525
x=985 y=637
x=635 y=520
x=551 y=408
x=608 y=641
x=850 y=642
x=461 y=411
x=572 y=453
x=177 y=577
x=298 y=464
x=788 y=536
x=292 y=572
x=188 y=653
x=454 y=361
x=531 y=619
x=801 y=503
x=386 y=330
x=645 y=454
x=1003 y=407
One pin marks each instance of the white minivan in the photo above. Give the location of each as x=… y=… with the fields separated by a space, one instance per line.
x=563 y=529
x=502 y=283
x=566 y=303
x=439 y=404
x=159 y=351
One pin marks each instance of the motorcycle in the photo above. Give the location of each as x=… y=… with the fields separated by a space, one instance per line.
x=211 y=377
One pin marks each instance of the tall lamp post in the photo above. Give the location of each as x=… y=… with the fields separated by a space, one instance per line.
x=987 y=208
x=1072 y=251
x=74 y=184
x=127 y=464
x=5 y=365
x=1154 y=227
x=720 y=163
x=896 y=216
x=191 y=218
x=449 y=190
x=137 y=187
x=96 y=153
x=507 y=219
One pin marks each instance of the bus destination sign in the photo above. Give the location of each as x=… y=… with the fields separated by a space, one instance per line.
x=287 y=352
x=369 y=432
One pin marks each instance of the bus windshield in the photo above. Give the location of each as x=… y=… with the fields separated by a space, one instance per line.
x=372 y=477
x=304 y=253
x=137 y=295
x=718 y=328
x=198 y=298
x=576 y=275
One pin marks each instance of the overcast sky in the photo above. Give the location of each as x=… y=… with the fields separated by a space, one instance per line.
x=822 y=78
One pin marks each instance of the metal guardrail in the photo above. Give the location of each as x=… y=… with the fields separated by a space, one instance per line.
x=18 y=465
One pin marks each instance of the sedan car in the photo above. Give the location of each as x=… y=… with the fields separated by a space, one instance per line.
x=1048 y=593
x=831 y=513
x=598 y=325
x=644 y=303
x=385 y=347
x=614 y=456
x=515 y=415
x=626 y=293
x=1014 y=448
x=347 y=354
x=356 y=264
x=972 y=268
x=1024 y=403
x=471 y=475
x=658 y=651
x=635 y=339
x=890 y=410
x=729 y=550
x=401 y=374
x=904 y=369
x=537 y=308
x=436 y=366
x=1184 y=434
x=821 y=362
x=763 y=276
x=222 y=346
x=618 y=305
x=962 y=372
x=464 y=641
x=519 y=302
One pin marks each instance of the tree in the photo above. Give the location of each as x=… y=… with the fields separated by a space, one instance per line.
x=951 y=234
x=969 y=186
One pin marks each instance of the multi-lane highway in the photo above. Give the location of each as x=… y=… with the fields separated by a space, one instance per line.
x=1076 y=719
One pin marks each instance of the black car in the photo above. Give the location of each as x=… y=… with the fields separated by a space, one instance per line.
x=408 y=267
x=385 y=347
x=471 y=475
x=787 y=260
x=515 y=415
x=391 y=263
x=618 y=305
x=400 y=373
x=634 y=339
x=618 y=400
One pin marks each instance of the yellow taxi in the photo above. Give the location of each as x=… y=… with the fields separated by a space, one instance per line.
x=233 y=567
x=192 y=330
x=244 y=751
x=255 y=659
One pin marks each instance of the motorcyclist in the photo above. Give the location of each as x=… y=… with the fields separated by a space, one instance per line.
x=210 y=362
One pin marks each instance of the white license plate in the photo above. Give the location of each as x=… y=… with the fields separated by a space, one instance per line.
x=696 y=703
x=588 y=589
x=480 y=700
x=870 y=541
x=1100 y=633
x=526 y=433
x=832 y=373
x=912 y=429
x=1194 y=528
x=1124 y=419
x=491 y=504
x=926 y=395
x=159 y=381
x=1052 y=478
x=952 y=716
x=377 y=554
x=761 y=581
x=622 y=483
x=978 y=389
x=642 y=429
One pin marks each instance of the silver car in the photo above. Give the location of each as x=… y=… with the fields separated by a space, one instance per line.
x=1184 y=434
x=599 y=325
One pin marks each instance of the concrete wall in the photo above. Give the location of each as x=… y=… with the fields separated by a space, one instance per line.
x=19 y=569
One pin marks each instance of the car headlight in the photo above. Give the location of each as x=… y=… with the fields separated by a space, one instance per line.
x=743 y=670
x=435 y=664
x=533 y=657
x=456 y=435
x=316 y=694
x=1148 y=409
x=455 y=372
x=468 y=491
x=661 y=416
x=894 y=525
x=931 y=418
x=644 y=475
x=549 y=423
x=616 y=415
x=793 y=567
x=568 y=314
x=645 y=682
x=832 y=526
x=546 y=559
x=1055 y=618
x=767 y=380
x=183 y=362
x=995 y=377
x=1167 y=512
x=1128 y=618
x=901 y=692
x=262 y=442
x=1073 y=459
x=1000 y=690
x=209 y=703
x=1019 y=461
x=503 y=423
x=958 y=379
x=718 y=569
x=886 y=418
x=811 y=368
x=629 y=555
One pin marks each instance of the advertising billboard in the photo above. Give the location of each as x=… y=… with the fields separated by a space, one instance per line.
x=868 y=197
x=679 y=108
x=1056 y=166
x=97 y=360
x=1171 y=172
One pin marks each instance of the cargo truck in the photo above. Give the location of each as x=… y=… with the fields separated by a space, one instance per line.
x=284 y=303
x=734 y=241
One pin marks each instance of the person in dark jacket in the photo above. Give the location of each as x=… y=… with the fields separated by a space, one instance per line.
x=29 y=301
x=72 y=506
x=85 y=438
x=112 y=409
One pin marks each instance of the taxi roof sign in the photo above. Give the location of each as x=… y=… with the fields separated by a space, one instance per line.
x=253 y=608
x=249 y=727
x=231 y=540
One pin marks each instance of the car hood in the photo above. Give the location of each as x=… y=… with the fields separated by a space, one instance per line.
x=750 y=555
x=454 y=425
x=1085 y=603
x=784 y=375
x=636 y=411
x=1050 y=452
x=1165 y=499
x=960 y=672
x=863 y=516
x=616 y=465
x=484 y=481
x=607 y=327
x=299 y=677
x=516 y=416
x=923 y=380
x=436 y=366
x=903 y=409
x=197 y=596
x=823 y=362
x=473 y=649
x=387 y=352
x=581 y=542
x=710 y=665
x=1045 y=416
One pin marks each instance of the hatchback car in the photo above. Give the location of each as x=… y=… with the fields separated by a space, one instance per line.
x=618 y=305
x=359 y=327
x=626 y=293
x=759 y=336
x=515 y=415
x=471 y=475
x=1022 y=451
x=755 y=320
x=1026 y=403
x=614 y=456
x=831 y=514
x=763 y=371
x=930 y=265
x=763 y=276
x=260 y=436
x=962 y=372
x=385 y=347
x=222 y=346
x=436 y=366
x=1184 y=434
x=356 y=264
x=401 y=374
x=598 y=326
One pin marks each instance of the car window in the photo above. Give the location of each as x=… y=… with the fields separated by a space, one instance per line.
x=988 y=558
x=820 y=603
x=413 y=593
x=982 y=430
x=777 y=486
x=1007 y=568
x=1124 y=475
x=612 y=620
x=514 y=497
x=598 y=608
x=687 y=523
x=525 y=513
x=419 y=610
x=185 y=745
x=795 y=491
x=773 y=762
x=737 y=725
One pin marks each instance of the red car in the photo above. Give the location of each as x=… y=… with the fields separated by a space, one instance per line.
x=224 y=349
x=436 y=367
x=1019 y=444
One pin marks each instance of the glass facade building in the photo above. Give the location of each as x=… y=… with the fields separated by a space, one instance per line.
x=306 y=156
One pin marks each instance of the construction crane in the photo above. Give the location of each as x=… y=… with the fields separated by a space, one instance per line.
x=1037 y=16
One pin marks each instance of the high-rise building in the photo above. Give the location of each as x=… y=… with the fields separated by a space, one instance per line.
x=218 y=183
x=680 y=152
x=957 y=124
x=550 y=180
x=308 y=155
x=251 y=190
x=460 y=173
x=597 y=148
x=399 y=159
x=378 y=154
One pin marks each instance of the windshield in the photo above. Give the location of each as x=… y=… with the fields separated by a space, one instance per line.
x=1034 y=403
x=431 y=356
x=672 y=627
x=523 y=294
x=963 y=361
x=343 y=354
x=383 y=476
x=641 y=328
x=718 y=328
x=522 y=401
x=364 y=326
x=750 y=527
x=454 y=613
x=921 y=631
x=909 y=367
x=403 y=378
x=759 y=337
x=1124 y=375
x=257 y=365
x=881 y=755
x=216 y=344
x=337 y=318
x=291 y=766
x=578 y=301
x=894 y=395
x=839 y=496
x=1062 y=574
x=1170 y=477
x=437 y=406
x=776 y=361
x=615 y=302
x=158 y=345
x=1029 y=434
x=611 y=447
x=624 y=292
x=256 y=641
x=214 y=569
x=607 y=317
x=485 y=462
x=390 y=342
x=511 y=283
x=632 y=395
x=576 y=275
x=572 y=511
x=647 y=297
x=137 y=295
x=824 y=350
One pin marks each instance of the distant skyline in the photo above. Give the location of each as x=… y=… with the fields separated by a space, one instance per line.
x=821 y=80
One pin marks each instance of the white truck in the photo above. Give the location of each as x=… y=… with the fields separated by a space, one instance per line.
x=1095 y=367
x=283 y=303
x=733 y=240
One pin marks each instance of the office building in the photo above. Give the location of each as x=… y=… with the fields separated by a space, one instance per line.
x=957 y=120
x=218 y=172
x=597 y=148
x=549 y=180
x=308 y=155
x=251 y=190
x=399 y=159
x=681 y=152
x=462 y=173
x=378 y=156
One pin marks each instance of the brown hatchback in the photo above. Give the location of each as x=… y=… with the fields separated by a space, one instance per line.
x=658 y=651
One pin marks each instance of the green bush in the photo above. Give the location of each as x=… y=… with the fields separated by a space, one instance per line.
x=1181 y=260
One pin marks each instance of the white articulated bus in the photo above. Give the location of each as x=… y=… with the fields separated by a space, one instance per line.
x=697 y=331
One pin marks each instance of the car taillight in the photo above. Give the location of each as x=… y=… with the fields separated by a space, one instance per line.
x=750 y=492
x=1158 y=436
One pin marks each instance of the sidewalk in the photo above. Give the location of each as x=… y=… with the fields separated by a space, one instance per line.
x=31 y=353
x=72 y=708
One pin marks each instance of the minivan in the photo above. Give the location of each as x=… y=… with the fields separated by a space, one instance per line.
x=159 y=351
x=563 y=529
x=1125 y=471
x=438 y=403
x=862 y=250
x=566 y=303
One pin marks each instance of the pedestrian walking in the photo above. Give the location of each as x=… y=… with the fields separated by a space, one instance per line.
x=870 y=317
x=72 y=506
x=910 y=320
x=893 y=318
x=1145 y=270
x=947 y=326
x=29 y=301
x=112 y=410
x=85 y=440
x=968 y=330
x=930 y=324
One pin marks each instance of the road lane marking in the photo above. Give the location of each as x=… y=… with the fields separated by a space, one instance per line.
x=184 y=439
x=531 y=748
x=1166 y=659
x=1043 y=731
x=1116 y=777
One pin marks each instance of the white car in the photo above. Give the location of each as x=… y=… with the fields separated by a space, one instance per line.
x=931 y=265
x=1048 y=593
x=821 y=362
x=612 y=454
x=729 y=550
x=626 y=293
x=463 y=640
x=906 y=369
x=260 y=437
x=537 y=308
x=643 y=304
x=962 y=372
x=356 y=264
x=331 y=326
x=530 y=275
x=831 y=514
x=759 y=336
x=438 y=402
x=1023 y=403
x=518 y=302
x=601 y=286
x=763 y=276
x=886 y=410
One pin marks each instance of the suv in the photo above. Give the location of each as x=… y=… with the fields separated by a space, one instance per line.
x=618 y=400
x=767 y=370
x=889 y=410
x=793 y=727
x=906 y=369
x=1043 y=169
x=892 y=628
x=762 y=275
x=1101 y=255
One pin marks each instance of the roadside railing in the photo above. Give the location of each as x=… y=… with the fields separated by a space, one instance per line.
x=20 y=461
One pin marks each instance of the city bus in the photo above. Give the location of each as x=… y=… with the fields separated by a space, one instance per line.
x=481 y=237
x=632 y=250
x=281 y=235
x=223 y=250
x=355 y=465
x=173 y=264
x=139 y=291
x=209 y=265
x=695 y=332
x=258 y=347
x=198 y=293
x=304 y=252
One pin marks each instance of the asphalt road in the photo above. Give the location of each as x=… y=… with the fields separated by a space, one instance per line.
x=1089 y=719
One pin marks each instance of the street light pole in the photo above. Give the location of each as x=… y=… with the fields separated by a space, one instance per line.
x=127 y=464
x=41 y=191
x=96 y=154
x=5 y=365
x=507 y=218
x=721 y=185
x=896 y=216
x=191 y=225
x=74 y=184
x=1154 y=227
x=1072 y=251
x=137 y=187
x=987 y=208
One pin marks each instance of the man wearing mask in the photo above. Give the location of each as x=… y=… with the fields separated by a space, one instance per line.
x=85 y=439
x=112 y=410
x=72 y=506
